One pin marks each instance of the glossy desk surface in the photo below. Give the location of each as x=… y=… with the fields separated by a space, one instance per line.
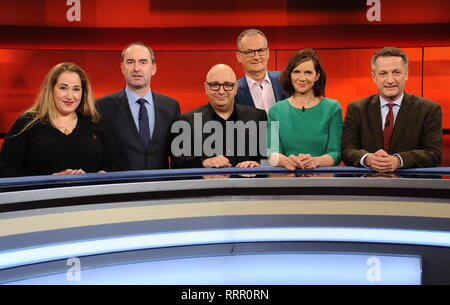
x=222 y=212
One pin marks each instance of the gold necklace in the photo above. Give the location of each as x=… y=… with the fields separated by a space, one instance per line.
x=63 y=129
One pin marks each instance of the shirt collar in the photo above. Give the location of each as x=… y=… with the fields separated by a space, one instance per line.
x=133 y=97
x=251 y=82
x=214 y=114
x=397 y=102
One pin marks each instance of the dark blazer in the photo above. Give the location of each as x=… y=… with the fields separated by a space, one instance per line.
x=241 y=113
x=116 y=113
x=417 y=135
x=244 y=96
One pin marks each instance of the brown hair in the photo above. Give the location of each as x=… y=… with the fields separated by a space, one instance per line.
x=296 y=59
x=152 y=54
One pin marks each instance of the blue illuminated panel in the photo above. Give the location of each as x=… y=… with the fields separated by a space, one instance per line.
x=256 y=269
x=18 y=257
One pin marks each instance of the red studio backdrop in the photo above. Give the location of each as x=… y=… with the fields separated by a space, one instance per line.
x=191 y=36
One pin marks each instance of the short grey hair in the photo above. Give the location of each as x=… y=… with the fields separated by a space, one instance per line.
x=249 y=32
x=388 y=52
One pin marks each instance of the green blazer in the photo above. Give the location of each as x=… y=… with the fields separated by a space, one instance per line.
x=417 y=135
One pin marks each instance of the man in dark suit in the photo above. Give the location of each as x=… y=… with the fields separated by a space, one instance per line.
x=258 y=87
x=392 y=129
x=220 y=133
x=139 y=118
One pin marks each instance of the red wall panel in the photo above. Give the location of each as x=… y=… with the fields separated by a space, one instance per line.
x=22 y=72
x=436 y=79
x=224 y=38
x=181 y=75
x=207 y=13
x=190 y=36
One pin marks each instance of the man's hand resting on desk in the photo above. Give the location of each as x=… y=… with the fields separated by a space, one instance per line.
x=216 y=162
x=246 y=164
x=70 y=172
x=382 y=162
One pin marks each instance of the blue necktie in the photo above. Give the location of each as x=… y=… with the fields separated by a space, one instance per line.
x=144 y=129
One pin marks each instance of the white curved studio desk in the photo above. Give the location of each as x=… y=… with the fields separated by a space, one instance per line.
x=205 y=226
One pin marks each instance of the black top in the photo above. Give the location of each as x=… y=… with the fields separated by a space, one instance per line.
x=43 y=150
x=242 y=140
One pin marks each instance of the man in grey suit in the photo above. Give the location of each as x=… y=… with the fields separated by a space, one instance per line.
x=392 y=129
x=258 y=87
x=139 y=118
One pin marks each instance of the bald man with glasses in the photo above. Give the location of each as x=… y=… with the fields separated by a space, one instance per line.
x=259 y=87
x=220 y=133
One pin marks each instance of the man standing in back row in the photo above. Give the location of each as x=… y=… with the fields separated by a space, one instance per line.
x=258 y=88
x=138 y=117
x=392 y=129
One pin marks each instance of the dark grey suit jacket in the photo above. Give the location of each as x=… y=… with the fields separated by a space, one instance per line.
x=417 y=135
x=116 y=113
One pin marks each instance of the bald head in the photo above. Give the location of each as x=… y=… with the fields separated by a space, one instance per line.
x=221 y=87
x=220 y=71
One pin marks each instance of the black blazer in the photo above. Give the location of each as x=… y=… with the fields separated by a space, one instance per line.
x=116 y=114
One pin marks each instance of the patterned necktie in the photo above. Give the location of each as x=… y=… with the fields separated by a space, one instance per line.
x=144 y=129
x=388 y=129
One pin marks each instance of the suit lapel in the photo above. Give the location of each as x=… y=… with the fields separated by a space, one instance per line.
x=276 y=87
x=374 y=116
x=245 y=92
x=402 y=119
x=157 y=109
x=125 y=112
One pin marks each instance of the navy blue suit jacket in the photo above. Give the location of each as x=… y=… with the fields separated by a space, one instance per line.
x=244 y=96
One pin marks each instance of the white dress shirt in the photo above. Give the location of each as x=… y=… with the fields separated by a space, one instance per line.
x=134 y=107
x=384 y=111
x=262 y=92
